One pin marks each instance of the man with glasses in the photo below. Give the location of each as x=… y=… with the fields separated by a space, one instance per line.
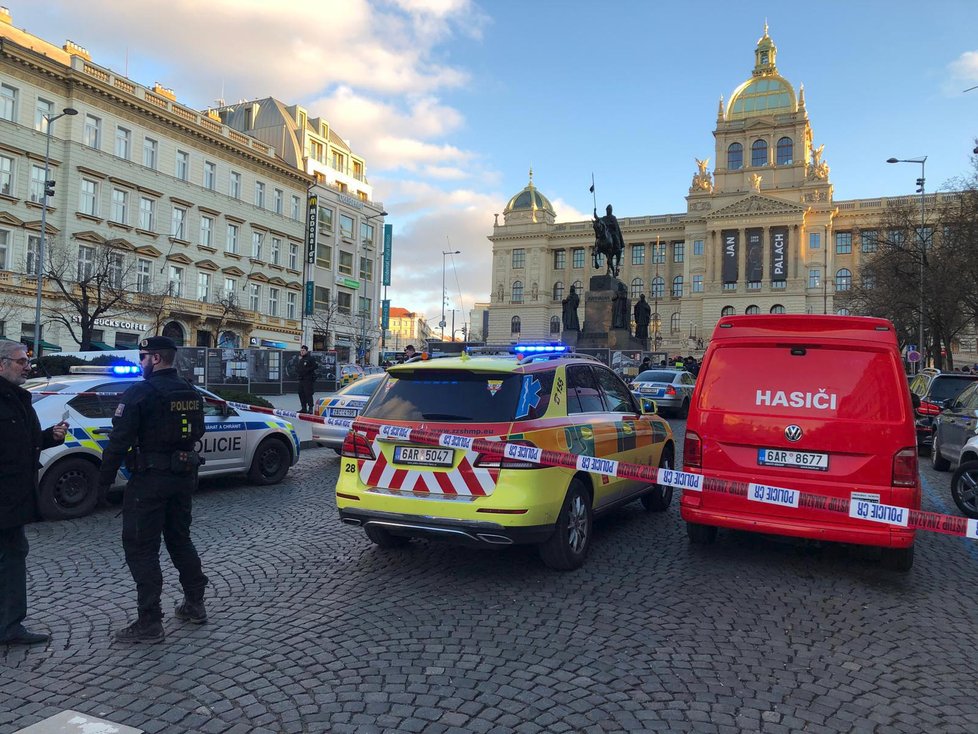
x=21 y=442
x=154 y=431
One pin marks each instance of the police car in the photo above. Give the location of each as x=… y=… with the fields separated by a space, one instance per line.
x=340 y=409
x=237 y=441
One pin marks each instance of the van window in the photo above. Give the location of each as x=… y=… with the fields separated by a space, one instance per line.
x=583 y=393
x=862 y=384
x=617 y=398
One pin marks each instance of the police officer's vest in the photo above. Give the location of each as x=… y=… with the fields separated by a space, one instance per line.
x=182 y=416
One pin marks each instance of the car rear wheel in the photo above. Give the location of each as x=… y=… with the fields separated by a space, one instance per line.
x=660 y=496
x=683 y=411
x=69 y=490
x=964 y=488
x=897 y=559
x=271 y=462
x=567 y=548
x=383 y=539
x=937 y=459
x=701 y=534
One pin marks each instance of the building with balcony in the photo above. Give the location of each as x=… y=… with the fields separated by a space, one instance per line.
x=407 y=327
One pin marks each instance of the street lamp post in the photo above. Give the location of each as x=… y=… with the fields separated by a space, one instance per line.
x=365 y=312
x=48 y=191
x=441 y=324
x=923 y=244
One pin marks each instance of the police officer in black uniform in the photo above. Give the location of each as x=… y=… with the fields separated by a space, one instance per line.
x=306 y=369
x=156 y=425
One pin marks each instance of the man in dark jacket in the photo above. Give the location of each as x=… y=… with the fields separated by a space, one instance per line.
x=154 y=430
x=21 y=442
x=306 y=370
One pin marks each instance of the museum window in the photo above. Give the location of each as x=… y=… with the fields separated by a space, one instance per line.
x=519 y=258
x=674 y=324
x=843 y=312
x=777 y=308
x=658 y=285
x=814 y=277
x=560 y=259
x=638 y=254
x=752 y=310
x=517 y=291
x=554 y=325
x=677 y=287
x=727 y=311
x=558 y=291
x=732 y=286
x=843 y=279
x=514 y=325
x=869 y=281
x=697 y=247
x=577 y=255
x=779 y=285
x=697 y=284
x=637 y=285
x=678 y=251
x=868 y=239
x=814 y=241
x=735 y=156
x=785 y=152
x=578 y=287
x=758 y=153
x=753 y=285
x=843 y=243
x=658 y=253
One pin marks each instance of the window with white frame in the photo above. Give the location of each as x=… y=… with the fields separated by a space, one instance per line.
x=814 y=277
x=37 y=184
x=677 y=287
x=278 y=199
x=123 y=143
x=659 y=252
x=232 y=243
x=345 y=265
x=144 y=275
x=120 y=206
x=234 y=187
x=254 y=295
x=86 y=262
x=325 y=219
x=658 y=287
x=366 y=268
x=207 y=230
x=558 y=291
x=256 y=240
x=88 y=197
x=6 y=175
x=577 y=258
x=273 y=301
x=276 y=250
x=203 y=286
x=291 y=305
x=230 y=288
x=147 y=213
x=674 y=323
x=366 y=234
x=259 y=194
x=697 y=247
x=92 y=134
x=346 y=226
x=116 y=267
x=8 y=102
x=179 y=223
x=31 y=261
x=678 y=251
x=638 y=285
x=843 y=279
x=320 y=298
x=560 y=259
x=296 y=208
x=183 y=165
x=210 y=175
x=344 y=302
x=176 y=281
x=293 y=256
x=638 y=254
x=4 y=248
x=150 y=153
x=519 y=258
x=517 y=291
x=43 y=111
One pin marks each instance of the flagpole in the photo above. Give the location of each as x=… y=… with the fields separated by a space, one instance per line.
x=593 y=195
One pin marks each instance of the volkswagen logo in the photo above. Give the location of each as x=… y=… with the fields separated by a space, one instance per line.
x=792 y=433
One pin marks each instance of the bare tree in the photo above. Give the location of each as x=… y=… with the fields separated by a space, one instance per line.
x=93 y=282
x=325 y=318
x=227 y=308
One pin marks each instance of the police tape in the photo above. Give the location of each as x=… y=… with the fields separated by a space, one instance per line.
x=854 y=507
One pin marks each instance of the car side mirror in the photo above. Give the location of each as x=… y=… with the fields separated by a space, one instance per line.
x=648 y=406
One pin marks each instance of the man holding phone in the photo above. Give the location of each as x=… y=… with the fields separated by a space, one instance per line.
x=20 y=452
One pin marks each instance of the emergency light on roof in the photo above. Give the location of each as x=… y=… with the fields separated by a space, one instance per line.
x=538 y=348
x=115 y=369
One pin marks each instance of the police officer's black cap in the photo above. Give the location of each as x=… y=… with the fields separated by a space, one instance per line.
x=153 y=343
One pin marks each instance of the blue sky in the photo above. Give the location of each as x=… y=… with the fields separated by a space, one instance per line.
x=451 y=101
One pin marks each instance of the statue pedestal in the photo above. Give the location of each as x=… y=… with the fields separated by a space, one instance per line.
x=598 y=331
x=569 y=337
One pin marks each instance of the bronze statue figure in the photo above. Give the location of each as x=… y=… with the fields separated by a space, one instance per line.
x=619 y=309
x=569 y=314
x=608 y=241
x=643 y=315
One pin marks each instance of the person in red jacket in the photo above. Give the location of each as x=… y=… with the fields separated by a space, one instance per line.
x=20 y=451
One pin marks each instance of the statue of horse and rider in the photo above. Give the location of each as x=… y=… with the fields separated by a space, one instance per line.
x=607 y=241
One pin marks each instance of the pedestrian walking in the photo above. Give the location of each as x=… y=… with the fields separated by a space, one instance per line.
x=20 y=452
x=409 y=353
x=156 y=425
x=306 y=369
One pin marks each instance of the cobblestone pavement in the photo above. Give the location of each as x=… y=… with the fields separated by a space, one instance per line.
x=313 y=629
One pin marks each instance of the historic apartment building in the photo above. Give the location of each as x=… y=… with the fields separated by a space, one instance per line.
x=761 y=233
x=201 y=221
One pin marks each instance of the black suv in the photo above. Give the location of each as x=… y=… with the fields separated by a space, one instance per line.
x=931 y=390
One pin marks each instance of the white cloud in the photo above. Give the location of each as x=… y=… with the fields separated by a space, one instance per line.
x=963 y=73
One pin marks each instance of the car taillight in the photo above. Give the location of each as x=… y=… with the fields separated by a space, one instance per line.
x=692 y=451
x=905 y=472
x=492 y=461
x=670 y=390
x=356 y=446
x=926 y=408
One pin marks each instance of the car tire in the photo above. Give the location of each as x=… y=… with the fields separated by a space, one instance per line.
x=567 y=547
x=701 y=534
x=897 y=559
x=937 y=460
x=271 y=462
x=69 y=490
x=383 y=539
x=659 y=497
x=964 y=488
x=683 y=411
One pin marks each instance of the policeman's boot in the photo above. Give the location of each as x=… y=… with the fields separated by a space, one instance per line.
x=191 y=610
x=142 y=630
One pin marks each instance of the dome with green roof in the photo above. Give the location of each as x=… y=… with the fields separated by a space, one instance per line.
x=767 y=92
x=530 y=202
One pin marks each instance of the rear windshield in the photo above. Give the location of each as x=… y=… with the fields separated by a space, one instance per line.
x=656 y=376
x=946 y=387
x=817 y=382
x=461 y=396
x=362 y=387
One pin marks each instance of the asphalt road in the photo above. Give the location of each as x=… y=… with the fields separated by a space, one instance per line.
x=313 y=629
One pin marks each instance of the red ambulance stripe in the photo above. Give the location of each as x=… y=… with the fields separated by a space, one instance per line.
x=444 y=483
x=397 y=481
x=374 y=479
x=471 y=481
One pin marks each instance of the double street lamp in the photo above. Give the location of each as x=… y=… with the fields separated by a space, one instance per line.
x=48 y=190
x=441 y=323
x=923 y=244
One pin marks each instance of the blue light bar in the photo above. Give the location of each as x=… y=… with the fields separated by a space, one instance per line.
x=125 y=369
x=539 y=348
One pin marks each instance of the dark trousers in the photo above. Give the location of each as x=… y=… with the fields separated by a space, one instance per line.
x=305 y=395
x=159 y=503
x=13 y=579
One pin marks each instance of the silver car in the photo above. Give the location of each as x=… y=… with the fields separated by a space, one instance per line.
x=671 y=389
x=340 y=409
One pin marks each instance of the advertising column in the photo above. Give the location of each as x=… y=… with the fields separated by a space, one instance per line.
x=730 y=239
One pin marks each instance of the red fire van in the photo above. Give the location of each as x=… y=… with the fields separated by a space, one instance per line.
x=815 y=404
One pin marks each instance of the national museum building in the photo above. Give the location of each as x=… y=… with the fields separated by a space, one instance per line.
x=761 y=233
